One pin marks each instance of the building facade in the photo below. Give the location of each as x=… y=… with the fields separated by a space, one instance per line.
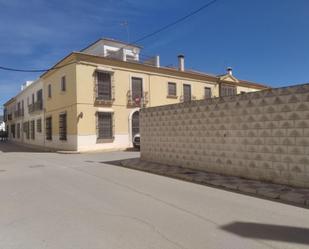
x=24 y=115
x=91 y=99
x=2 y=124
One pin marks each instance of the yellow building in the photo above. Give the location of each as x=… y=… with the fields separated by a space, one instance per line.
x=92 y=98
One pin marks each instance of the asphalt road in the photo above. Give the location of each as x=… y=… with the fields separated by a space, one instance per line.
x=82 y=201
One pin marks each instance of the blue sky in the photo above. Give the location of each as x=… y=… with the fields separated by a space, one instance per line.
x=265 y=41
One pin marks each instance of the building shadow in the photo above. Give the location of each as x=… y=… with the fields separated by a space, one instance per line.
x=299 y=235
x=9 y=147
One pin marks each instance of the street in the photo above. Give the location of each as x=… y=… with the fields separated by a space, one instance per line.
x=81 y=201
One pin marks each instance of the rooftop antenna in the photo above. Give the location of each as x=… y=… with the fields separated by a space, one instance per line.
x=126 y=25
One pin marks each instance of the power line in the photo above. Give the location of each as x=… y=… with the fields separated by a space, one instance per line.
x=181 y=19
x=33 y=70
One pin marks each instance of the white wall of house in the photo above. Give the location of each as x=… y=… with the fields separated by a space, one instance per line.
x=2 y=126
x=26 y=96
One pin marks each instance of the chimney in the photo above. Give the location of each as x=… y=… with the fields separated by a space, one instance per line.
x=181 y=62
x=157 y=61
x=229 y=71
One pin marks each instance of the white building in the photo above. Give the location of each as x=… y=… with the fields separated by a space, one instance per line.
x=2 y=124
x=27 y=111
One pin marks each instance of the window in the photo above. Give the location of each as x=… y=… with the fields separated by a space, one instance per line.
x=22 y=107
x=104 y=86
x=39 y=125
x=227 y=90
x=32 y=125
x=63 y=84
x=207 y=92
x=48 y=126
x=137 y=88
x=32 y=102
x=172 y=91
x=39 y=95
x=26 y=129
x=18 y=130
x=18 y=108
x=242 y=92
x=104 y=125
x=63 y=126
x=49 y=90
x=13 y=130
x=186 y=92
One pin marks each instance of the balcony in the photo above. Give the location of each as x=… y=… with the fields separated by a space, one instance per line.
x=137 y=102
x=104 y=98
x=183 y=99
x=19 y=113
x=100 y=100
x=37 y=106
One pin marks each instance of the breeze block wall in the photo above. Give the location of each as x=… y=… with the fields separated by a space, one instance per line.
x=261 y=135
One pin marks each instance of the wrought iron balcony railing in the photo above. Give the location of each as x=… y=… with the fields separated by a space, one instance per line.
x=104 y=99
x=19 y=113
x=137 y=101
x=186 y=99
x=37 y=106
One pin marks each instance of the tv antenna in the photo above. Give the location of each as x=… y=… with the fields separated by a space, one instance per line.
x=125 y=24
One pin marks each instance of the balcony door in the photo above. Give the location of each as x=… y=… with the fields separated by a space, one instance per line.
x=186 y=92
x=137 y=88
x=39 y=96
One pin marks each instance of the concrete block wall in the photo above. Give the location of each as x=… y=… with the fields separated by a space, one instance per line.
x=261 y=135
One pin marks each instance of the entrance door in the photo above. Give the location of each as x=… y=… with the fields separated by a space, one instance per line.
x=135 y=123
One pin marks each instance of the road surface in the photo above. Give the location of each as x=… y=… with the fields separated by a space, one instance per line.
x=81 y=201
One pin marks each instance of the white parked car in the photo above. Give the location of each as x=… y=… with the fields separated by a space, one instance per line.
x=137 y=141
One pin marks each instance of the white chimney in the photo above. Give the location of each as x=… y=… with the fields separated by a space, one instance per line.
x=157 y=61
x=229 y=71
x=181 y=62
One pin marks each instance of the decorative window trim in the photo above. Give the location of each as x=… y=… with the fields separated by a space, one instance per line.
x=105 y=69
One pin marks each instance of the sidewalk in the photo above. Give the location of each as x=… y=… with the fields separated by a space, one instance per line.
x=296 y=196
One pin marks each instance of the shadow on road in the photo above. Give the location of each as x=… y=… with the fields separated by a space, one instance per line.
x=290 y=234
x=8 y=147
